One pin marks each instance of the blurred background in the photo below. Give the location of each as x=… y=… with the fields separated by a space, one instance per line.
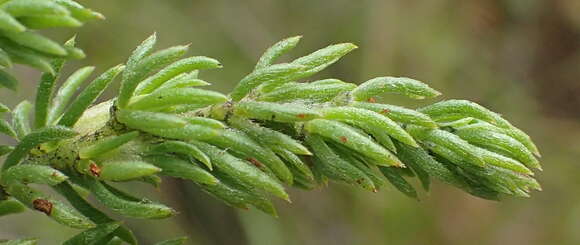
x=517 y=57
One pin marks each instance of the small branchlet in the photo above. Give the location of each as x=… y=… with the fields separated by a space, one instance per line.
x=273 y=131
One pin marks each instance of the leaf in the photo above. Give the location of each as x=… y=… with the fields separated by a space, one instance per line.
x=275 y=112
x=8 y=81
x=92 y=236
x=241 y=170
x=33 y=7
x=345 y=135
x=49 y=21
x=21 y=119
x=276 y=51
x=400 y=85
x=66 y=92
x=268 y=137
x=11 y=206
x=36 y=42
x=9 y=23
x=312 y=92
x=399 y=182
x=106 y=145
x=252 y=151
x=125 y=170
x=67 y=190
x=134 y=209
x=88 y=96
x=130 y=78
x=279 y=73
x=336 y=166
x=23 y=55
x=183 y=148
x=55 y=209
x=7 y=129
x=370 y=121
x=32 y=173
x=181 y=66
x=145 y=119
x=398 y=114
x=436 y=137
x=177 y=96
x=499 y=143
x=78 y=11
x=178 y=168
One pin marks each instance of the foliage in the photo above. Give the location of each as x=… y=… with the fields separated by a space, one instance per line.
x=272 y=130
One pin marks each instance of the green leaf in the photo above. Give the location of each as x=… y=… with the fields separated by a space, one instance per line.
x=268 y=137
x=125 y=170
x=32 y=173
x=36 y=42
x=400 y=85
x=370 y=121
x=106 y=145
x=499 y=143
x=33 y=7
x=398 y=181
x=79 y=203
x=279 y=74
x=130 y=78
x=92 y=236
x=241 y=170
x=398 y=114
x=9 y=23
x=55 y=209
x=88 y=96
x=21 y=119
x=336 y=166
x=7 y=80
x=179 y=67
x=11 y=206
x=319 y=91
x=350 y=138
x=144 y=119
x=252 y=151
x=177 y=96
x=7 y=129
x=129 y=208
x=78 y=11
x=440 y=139
x=277 y=50
x=178 y=168
x=66 y=92
x=26 y=56
x=183 y=148
x=275 y=112
x=49 y=21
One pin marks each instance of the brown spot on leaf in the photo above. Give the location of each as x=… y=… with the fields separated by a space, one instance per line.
x=255 y=162
x=372 y=100
x=42 y=205
x=301 y=116
x=385 y=111
x=95 y=169
x=343 y=139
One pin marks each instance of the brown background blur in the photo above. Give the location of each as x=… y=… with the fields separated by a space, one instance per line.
x=517 y=57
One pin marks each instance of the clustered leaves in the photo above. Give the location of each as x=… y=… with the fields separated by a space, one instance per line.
x=21 y=43
x=273 y=130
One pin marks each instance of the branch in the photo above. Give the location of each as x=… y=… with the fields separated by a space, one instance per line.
x=272 y=132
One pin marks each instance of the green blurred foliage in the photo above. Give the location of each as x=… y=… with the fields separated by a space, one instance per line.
x=519 y=58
